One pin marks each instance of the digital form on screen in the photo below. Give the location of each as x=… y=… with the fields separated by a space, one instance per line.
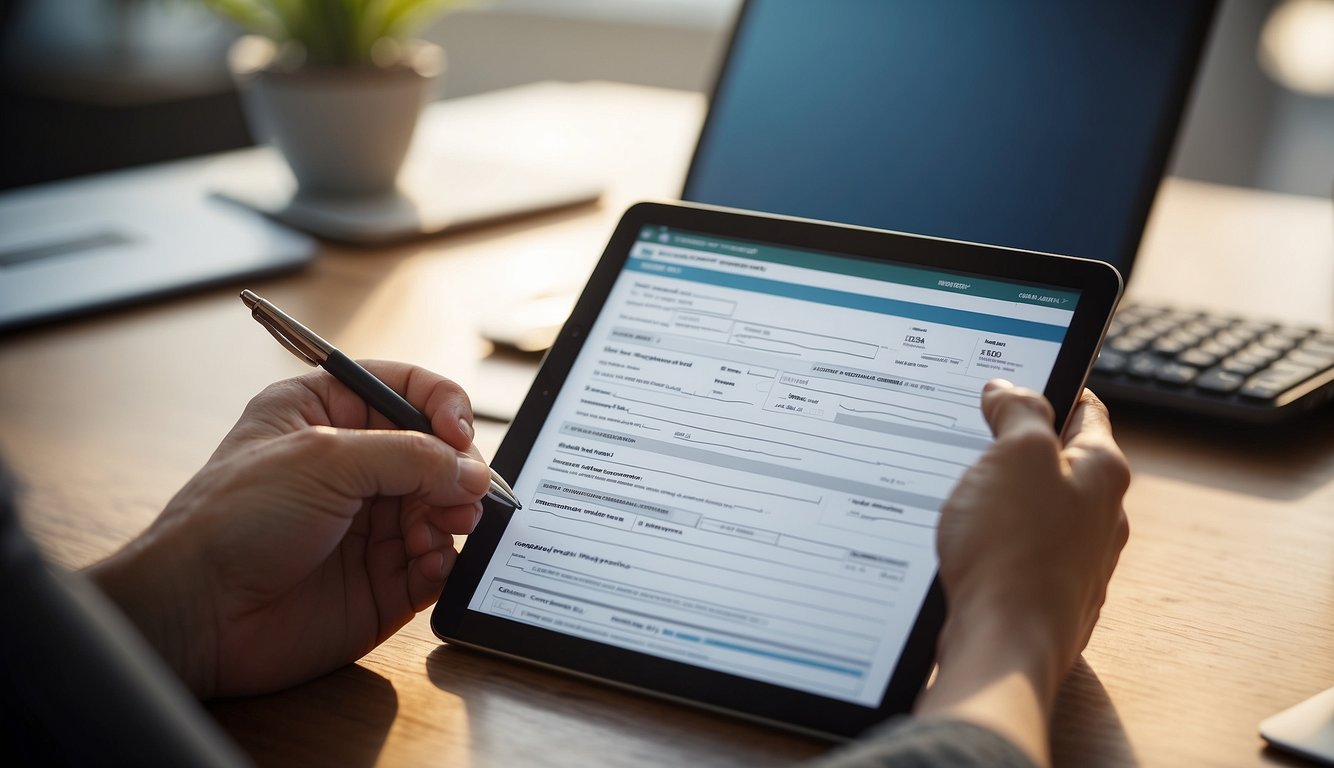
x=744 y=468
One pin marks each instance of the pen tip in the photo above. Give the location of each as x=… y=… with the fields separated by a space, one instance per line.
x=249 y=298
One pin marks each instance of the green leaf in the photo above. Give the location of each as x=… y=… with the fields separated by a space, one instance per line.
x=332 y=32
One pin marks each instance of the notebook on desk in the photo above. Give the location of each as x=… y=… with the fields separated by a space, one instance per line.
x=1032 y=125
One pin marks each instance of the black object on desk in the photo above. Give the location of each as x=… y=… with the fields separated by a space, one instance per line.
x=1225 y=367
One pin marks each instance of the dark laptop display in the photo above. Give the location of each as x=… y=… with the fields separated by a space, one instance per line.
x=1037 y=124
x=1040 y=124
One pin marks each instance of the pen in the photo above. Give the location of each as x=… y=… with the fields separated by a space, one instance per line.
x=305 y=344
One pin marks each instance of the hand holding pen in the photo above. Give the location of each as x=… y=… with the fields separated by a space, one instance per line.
x=312 y=533
x=315 y=351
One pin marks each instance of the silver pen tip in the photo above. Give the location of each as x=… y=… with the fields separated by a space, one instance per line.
x=249 y=298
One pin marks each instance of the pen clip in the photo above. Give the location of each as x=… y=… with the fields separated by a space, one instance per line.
x=277 y=333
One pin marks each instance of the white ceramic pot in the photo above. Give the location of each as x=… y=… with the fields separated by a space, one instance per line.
x=344 y=131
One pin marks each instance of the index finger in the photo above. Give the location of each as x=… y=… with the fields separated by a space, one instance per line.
x=1089 y=420
x=444 y=402
x=1090 y=448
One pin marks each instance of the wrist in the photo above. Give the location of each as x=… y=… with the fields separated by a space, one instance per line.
x=1005 y=639
x=1041 y=617
x=153 y=586
x=999 y=669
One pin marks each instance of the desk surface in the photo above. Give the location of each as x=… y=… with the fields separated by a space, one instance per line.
x=1221 y=613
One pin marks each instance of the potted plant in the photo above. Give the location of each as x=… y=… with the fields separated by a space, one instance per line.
x=336 y=85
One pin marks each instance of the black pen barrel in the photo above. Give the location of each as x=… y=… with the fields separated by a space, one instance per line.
x=376 y=393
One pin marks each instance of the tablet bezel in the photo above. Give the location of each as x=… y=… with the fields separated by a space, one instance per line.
x=1100 y=287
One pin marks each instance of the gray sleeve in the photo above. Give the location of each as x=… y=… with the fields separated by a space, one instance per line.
x=911 y=743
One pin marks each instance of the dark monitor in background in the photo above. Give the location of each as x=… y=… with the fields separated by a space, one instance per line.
x=1040 y=124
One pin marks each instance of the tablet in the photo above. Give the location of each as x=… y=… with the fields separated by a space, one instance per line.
x=732 y=460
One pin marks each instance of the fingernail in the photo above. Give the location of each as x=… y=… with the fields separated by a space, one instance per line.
x=444 y=567
x=474 y=475
x=466 y=426
x=996 y=384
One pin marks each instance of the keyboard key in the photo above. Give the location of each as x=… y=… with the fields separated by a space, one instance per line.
x=1109 y=361
x=1198 y=358
x=1126 y=344
x=1304 y=357
x=1260 y=355
x=1235 y=336
x=1160 y=325
x=1262 y=390
x=1199 y=328
x=1272 y=383
x=1170 y=345
x=1292 y=334
x=1176 y=373
x=1144 y=365
x=1240 y=367
x=1220 y=380
x=1289 y=365
x=1217 y=348
x=1141 y=332
x=1321 y=344
x=1188 y=337
x=1277 y=341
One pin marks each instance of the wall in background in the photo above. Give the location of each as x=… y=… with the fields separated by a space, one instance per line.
x=1241 y=129
x=1244 y=129
x=635 y=41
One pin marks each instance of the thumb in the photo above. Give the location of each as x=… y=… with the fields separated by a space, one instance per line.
x=1013 y=411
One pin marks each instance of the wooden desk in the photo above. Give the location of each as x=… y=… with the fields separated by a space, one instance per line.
x=1221 y=613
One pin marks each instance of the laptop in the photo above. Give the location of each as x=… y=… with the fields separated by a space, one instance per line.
x=73 y=247
x=1034 y=124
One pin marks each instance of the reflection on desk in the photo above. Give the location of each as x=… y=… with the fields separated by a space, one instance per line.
x=1221 y=613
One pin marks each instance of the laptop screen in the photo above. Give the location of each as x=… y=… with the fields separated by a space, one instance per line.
x=1039 y=124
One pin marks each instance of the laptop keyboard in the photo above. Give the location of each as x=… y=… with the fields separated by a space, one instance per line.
x=1222 y=367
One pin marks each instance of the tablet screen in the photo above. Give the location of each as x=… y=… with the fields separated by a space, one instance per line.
x=744 y=467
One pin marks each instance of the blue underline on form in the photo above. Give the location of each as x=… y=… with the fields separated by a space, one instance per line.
x=761 y=652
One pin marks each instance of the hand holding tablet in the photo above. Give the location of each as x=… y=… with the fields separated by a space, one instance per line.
x=734 y=457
